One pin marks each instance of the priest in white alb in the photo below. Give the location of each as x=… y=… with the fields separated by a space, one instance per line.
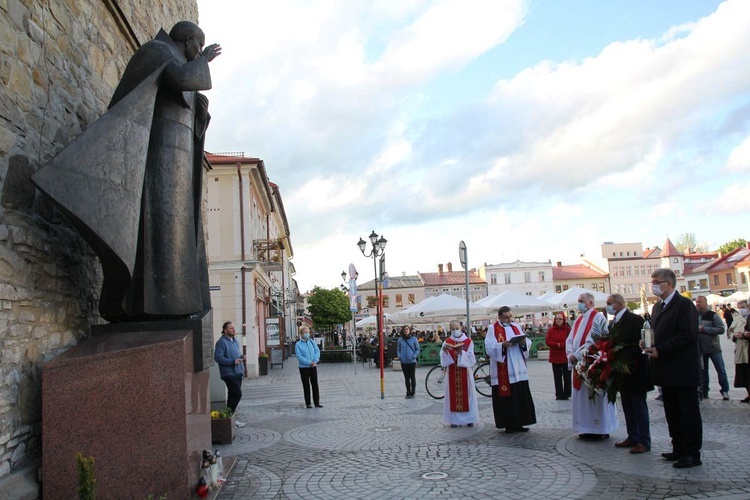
x=508 y=349
x=457 y=356
x=593 y=418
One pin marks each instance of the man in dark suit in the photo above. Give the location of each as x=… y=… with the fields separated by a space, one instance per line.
x=626 y=335
x=676 y=365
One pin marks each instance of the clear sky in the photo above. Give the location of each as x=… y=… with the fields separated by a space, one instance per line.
x=531 y=130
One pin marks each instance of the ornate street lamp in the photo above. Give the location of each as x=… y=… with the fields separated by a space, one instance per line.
x=378 y=250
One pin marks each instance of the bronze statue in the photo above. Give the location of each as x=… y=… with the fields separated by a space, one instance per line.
x=131 y=182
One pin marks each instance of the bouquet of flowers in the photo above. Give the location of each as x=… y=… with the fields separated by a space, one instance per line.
x=225 y=413
x=595 y=368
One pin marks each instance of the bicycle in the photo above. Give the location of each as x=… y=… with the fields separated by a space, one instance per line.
x=433 y=382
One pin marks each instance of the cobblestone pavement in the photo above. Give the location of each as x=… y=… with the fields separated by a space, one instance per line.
x=359 y=446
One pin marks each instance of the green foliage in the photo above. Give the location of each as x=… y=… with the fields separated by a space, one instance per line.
x=335 y=356
x=328 y=308
x=687 y=242
x=633 y=305
x=732 y=245
x=86 y=480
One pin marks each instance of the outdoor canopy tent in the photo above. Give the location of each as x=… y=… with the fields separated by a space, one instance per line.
x=518 y=302
x=436 y=309
x=568 y=299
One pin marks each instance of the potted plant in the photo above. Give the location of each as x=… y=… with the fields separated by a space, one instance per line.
x=542 y=353
x=222 y=426
x=263 y=363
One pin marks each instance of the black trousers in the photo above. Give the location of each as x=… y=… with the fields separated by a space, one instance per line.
x=309 y=378
x=234 y=391
x=410 y=377
x=684 y=421
x=561 y=375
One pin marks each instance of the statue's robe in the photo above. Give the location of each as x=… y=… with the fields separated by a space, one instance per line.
x=131 y=185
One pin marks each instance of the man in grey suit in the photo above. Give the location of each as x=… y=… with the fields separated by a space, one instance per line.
x=676 y=367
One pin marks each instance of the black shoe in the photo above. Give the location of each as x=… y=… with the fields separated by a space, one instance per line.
x=672 y=456
x=469 y=425
x=309 y=406
x=523 y=429
x=318 y=406
x=686 y=462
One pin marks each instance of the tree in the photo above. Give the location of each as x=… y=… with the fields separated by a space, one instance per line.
x=687 y=243
x=328 y=308
x=732 y=245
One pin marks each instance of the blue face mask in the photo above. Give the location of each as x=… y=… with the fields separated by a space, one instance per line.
x=582 y=307
x=611 y=309
x=306 y=336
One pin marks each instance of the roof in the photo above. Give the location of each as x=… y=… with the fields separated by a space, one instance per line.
x=731 y=259
x=451 y=278
x=575 y=271
x=690 y=269
x=652 y=253
x=670 y=250
x=394 y=282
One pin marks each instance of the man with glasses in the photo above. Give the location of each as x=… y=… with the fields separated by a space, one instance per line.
x=626 y=334
x=593 y=418
x=676 y=367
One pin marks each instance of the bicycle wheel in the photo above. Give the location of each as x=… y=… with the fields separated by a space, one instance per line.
x=483 y=379
x=433 y=382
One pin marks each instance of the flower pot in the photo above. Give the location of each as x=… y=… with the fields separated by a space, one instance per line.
x=222 y=430
x=263 y=365
x=542 y=355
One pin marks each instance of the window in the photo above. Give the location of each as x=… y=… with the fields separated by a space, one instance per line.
x=527 y=277
x=704 y=283
x=682 y=288
x=675 y=260
x=580 y=285
x=743 y=278
x=456 y=289
x=528 y=293
x=493 y=279
x=676 y=272
x=629 y=270
x=565 y=287
x=372 y=301
x=558 y=289
x=411 y=298
x=728 y=277
x=716 y=279
x=386 y=300
x=507 y=278
x=446 y=289
x=541 y=276
x=628 y=254
x=399 y=302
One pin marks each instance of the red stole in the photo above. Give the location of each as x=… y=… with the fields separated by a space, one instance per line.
x=503 y=379
x=577 y=379
x=458 y=378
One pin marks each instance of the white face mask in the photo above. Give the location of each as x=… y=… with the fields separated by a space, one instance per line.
x=744 y=312
x=656 y=290
x=456 y=333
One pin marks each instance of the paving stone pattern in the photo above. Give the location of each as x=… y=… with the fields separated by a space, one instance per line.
x=359 y=446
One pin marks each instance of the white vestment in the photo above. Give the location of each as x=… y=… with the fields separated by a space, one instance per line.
x=517 y=370
x=466 y=359
x=597 y=415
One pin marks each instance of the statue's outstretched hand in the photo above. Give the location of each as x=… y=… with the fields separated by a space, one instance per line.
x=211 y=51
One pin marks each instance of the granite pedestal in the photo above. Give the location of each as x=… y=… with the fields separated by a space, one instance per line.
x=133 y=402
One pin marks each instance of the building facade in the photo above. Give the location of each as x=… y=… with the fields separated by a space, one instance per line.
x=580 y=275
x=249 y=254
x=530 y=278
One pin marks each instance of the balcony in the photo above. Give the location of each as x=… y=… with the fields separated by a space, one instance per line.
x=269 y=254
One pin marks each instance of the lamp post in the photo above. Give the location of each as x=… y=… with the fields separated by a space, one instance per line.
x=378 y=250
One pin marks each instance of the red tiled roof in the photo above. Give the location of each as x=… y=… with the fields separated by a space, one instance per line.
x=670 y=250
x=575 y=271
x=649 y=253
x=731 y=259
x=450 y=278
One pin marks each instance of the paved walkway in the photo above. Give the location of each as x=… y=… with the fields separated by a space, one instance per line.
x=359 y=446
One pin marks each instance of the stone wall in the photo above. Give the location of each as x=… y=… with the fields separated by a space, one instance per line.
x=60 y=61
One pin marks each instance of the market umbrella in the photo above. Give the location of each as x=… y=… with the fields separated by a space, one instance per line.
x=736 y=296
x=518 y=302
x=714 y=299
x=435 y=309
x=568 y=299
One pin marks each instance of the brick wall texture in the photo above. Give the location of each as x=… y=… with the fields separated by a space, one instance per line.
x=60 y=61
